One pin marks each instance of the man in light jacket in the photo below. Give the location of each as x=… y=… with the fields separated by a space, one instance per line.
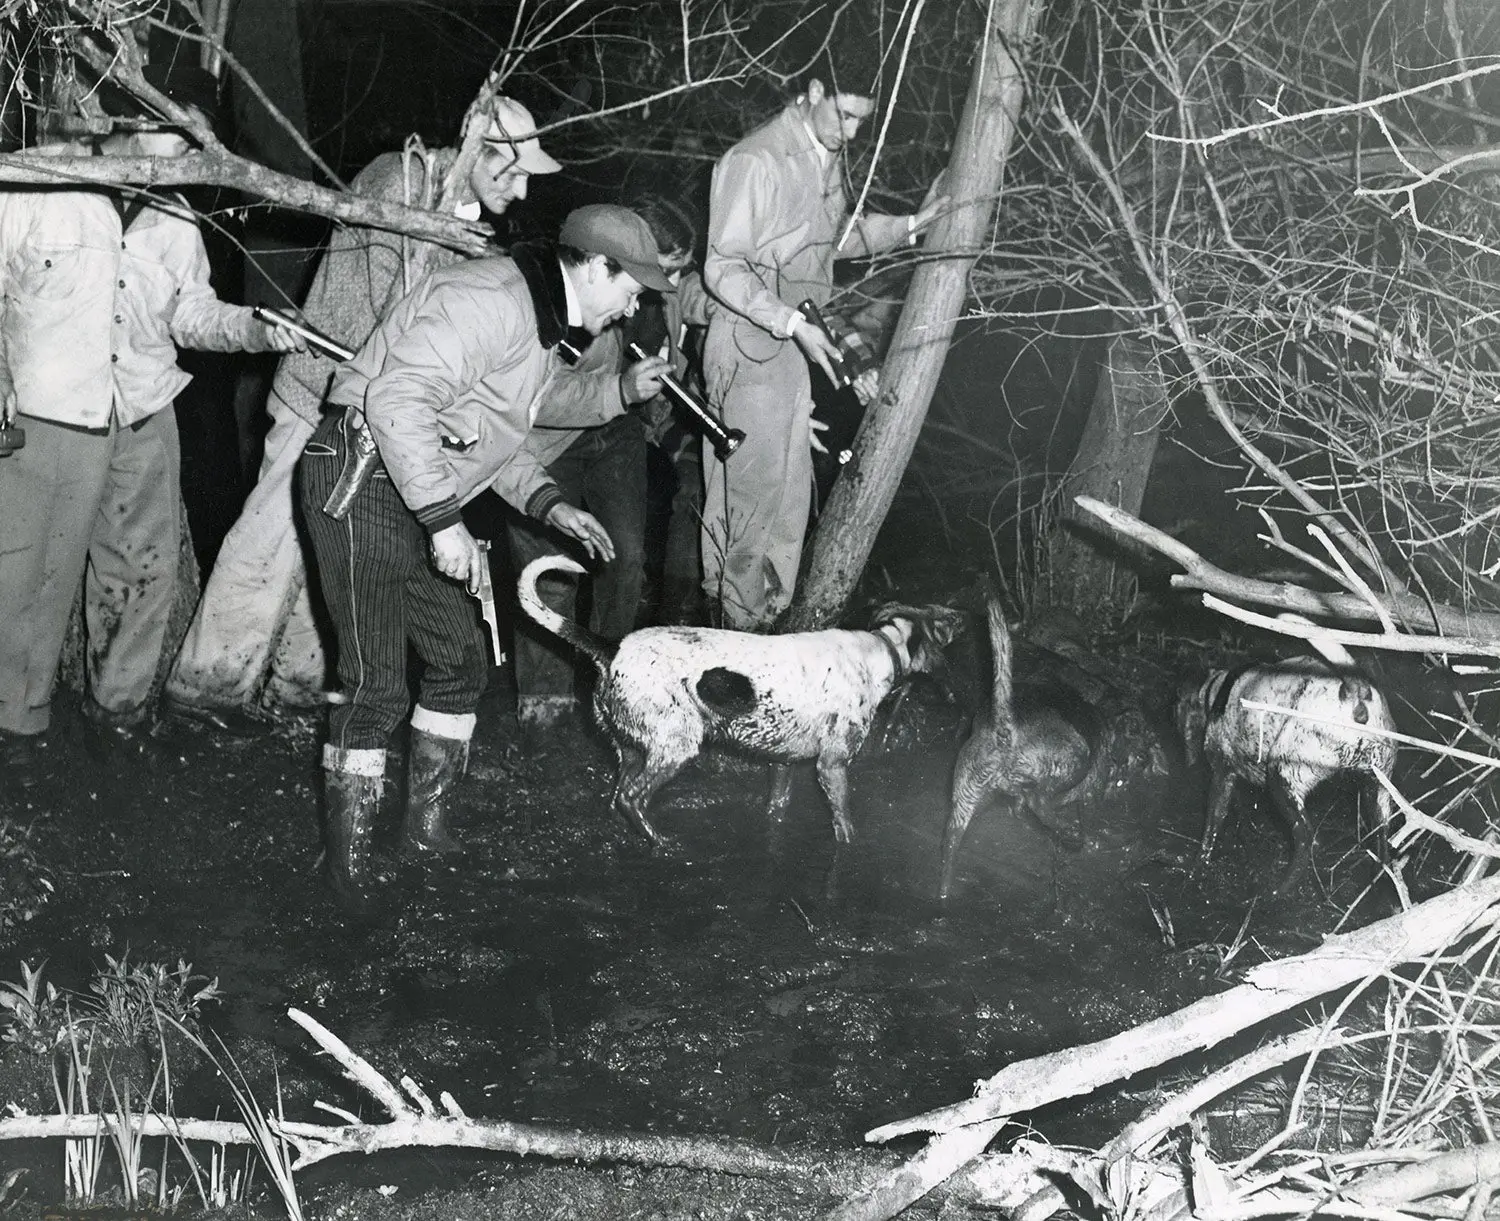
x=254 y=645
x=449 y=385
x=100 y=288
x=777 y=220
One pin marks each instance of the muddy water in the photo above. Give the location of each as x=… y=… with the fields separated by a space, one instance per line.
x=742 y=983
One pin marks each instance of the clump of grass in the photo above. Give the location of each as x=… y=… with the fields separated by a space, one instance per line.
x=150 y=1010
x=128 y=1005
x=25 y=887
x=136 y=1003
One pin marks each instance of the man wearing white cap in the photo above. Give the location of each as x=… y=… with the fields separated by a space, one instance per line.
x=448 y=385
x=254 y=645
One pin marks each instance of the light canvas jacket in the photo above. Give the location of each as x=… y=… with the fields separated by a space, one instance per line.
x=360 y=275
x=776 y=212
x=450 y=383
x=588 y=394
x=92 y=319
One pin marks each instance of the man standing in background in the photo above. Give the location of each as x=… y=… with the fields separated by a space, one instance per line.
x=603 y=468
x=100 y=288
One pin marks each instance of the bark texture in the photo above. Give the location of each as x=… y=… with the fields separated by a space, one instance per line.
x=1113 y=465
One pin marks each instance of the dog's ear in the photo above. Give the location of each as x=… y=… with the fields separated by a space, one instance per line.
x=944 y=624
x=888 y=611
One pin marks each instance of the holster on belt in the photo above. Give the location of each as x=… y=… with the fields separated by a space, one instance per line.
x=360 y=460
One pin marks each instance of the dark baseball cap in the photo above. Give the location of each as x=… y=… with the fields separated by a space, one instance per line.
x=622 y=235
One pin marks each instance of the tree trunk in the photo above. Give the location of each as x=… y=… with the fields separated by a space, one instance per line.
x=863 y=495
x=1113 y=464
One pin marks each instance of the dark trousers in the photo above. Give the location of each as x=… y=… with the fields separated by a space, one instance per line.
x=604 y=471
x=682 y=565
x=383 y=594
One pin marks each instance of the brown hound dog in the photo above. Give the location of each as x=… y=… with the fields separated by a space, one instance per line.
x=666 y=692
x=1031 y=753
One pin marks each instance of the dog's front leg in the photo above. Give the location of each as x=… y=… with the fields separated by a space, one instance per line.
x=833 y=775
x=781 y=792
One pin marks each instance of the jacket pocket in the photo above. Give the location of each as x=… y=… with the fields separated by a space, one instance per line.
x=55 y=272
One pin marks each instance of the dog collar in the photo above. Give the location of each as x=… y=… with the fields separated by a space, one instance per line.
x=890 y=647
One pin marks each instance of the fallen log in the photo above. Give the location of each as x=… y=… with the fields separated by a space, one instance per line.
x=1200 y=574
x=1269 y=989
x=998 y=1181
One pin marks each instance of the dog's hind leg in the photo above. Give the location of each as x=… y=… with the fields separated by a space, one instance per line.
x=967 y=798
x=1069 y=839
x=637 y=785
x=780 y=795
x=1289 y=796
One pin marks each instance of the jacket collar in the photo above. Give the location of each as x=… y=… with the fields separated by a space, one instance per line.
x=544 y=280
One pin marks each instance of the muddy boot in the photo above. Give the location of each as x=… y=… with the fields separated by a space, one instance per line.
x=433 y=766
x=352 y=780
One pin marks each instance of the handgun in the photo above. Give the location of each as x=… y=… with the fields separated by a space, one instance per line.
x=486 y=596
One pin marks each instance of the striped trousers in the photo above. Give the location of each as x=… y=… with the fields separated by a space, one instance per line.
x=383 y=595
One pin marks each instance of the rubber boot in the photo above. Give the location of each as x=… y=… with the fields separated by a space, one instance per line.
x=433 y=766
x=352 y=780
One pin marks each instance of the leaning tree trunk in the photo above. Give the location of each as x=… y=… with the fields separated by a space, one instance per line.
x=864 y=492
x=1113 y=464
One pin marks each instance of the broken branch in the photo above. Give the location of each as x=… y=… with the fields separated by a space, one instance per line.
x=1269 y=989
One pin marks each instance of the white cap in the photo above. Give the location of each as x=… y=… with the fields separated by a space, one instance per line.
x=511 y=126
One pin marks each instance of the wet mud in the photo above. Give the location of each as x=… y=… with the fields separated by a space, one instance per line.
x=748 y=982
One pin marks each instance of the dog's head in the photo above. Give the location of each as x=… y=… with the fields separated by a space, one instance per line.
x=933 y=628
x=1191 y=715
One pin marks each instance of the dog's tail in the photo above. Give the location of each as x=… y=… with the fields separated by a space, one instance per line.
x=600 y=651
x=1001 y=686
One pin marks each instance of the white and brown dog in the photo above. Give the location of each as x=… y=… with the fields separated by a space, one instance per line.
x=1289 y=756
x=666 y=692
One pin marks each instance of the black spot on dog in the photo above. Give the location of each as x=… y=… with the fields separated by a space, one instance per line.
x=727 y=692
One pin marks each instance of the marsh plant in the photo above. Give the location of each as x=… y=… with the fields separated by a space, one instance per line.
x=134 y=1004
x=36 y=1014
x=127 y=1005
x=112 y=1052
x=25 y=887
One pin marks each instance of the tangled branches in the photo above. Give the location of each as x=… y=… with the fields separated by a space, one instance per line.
x=1298 y=207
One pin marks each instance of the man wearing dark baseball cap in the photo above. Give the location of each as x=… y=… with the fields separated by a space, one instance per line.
x=448 y=387
x=619 y=234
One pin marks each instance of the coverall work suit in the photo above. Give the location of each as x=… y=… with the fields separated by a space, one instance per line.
x=99 y=290
x=777 y=210
x=254 y=637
